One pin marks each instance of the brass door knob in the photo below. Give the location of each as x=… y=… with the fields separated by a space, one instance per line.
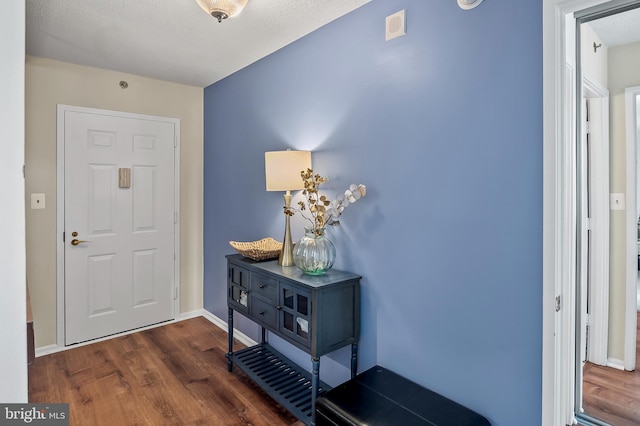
x=75 y=242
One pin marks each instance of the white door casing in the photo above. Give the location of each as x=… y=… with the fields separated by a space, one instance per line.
x=584 y=234
x=632 y=119
x=598 y=98
x=125 y=275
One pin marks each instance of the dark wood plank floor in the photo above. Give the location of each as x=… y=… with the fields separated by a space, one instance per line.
x=171 y=375
x=613 y=395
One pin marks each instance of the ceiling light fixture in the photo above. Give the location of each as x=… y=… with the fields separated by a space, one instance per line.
x=469 y=4
x=222 y=9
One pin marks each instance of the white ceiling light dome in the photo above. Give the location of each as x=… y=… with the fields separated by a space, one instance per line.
x=222 y=9
x=469 y=4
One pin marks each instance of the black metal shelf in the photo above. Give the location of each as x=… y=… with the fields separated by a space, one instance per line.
x=282 y=379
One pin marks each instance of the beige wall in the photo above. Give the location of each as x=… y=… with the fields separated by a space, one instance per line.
x=624 y=63
x=49 y=83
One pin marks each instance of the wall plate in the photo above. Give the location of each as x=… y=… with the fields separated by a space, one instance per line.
x=468 y=4
x=37 y=201
x=617 y=201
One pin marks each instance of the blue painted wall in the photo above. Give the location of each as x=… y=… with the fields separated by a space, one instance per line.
x=444 y=126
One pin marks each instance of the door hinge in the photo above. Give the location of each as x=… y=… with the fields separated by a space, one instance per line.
x=588 y=223
x=558 y=303
x=175 y=141
x=63 y=237
x=24 y=171
x=587 y=127
x=175 y=217
x=175 y=293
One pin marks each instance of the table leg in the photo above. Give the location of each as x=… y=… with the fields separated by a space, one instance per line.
x=230 y=330
x=315 y=382
x=354 y=360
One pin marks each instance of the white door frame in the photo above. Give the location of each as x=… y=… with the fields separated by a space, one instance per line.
x=60 y=203
x=559 y=210
x=632 y=97
x=599 y=263
x=559 y=264
x=556 y=199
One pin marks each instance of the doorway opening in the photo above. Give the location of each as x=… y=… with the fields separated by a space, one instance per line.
x=117 y=230
x=605 y=310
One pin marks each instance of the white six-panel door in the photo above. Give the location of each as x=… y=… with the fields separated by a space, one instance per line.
x=119 y=259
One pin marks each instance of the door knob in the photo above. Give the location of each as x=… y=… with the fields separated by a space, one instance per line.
x=76 y=241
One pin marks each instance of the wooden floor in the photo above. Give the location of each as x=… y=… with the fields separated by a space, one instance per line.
x=171 y=375
x=613 y=395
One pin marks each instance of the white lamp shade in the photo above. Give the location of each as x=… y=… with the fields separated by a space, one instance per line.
x=282 y=169
x=229 y=7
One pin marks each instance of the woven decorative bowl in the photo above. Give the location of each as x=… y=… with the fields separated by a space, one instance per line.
x=264 y=249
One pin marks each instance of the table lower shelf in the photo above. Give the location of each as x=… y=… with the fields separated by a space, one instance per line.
x=282 y=379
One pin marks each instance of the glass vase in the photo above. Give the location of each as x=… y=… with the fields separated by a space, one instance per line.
x=315 y=253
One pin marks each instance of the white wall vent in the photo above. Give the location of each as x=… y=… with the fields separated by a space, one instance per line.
x=395 y=25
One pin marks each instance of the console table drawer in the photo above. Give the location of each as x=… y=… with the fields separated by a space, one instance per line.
x=264 y=312
x=265 y=288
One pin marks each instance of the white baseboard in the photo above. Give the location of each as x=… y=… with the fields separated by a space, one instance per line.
x=246 y=340
x=191 y=314
x=243 y=338
x=46 y=350
x=615 y=363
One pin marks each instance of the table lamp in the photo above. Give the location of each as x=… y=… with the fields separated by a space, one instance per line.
x=282 y=172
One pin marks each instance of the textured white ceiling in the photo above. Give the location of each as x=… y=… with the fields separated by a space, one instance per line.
x=615 y=30
x=172 y=40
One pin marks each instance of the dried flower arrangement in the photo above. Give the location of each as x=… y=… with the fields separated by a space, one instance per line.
x=323 y=211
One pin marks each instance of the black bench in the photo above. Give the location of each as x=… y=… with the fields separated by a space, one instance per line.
x=380 y=397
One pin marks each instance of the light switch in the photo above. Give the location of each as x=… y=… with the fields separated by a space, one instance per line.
x=617 y=201
x=37 y=201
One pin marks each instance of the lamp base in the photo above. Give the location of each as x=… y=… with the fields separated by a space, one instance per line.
x=286 y=254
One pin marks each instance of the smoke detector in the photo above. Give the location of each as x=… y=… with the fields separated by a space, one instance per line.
x=468 y=4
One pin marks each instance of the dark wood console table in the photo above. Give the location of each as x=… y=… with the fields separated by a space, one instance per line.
x=317 y=314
